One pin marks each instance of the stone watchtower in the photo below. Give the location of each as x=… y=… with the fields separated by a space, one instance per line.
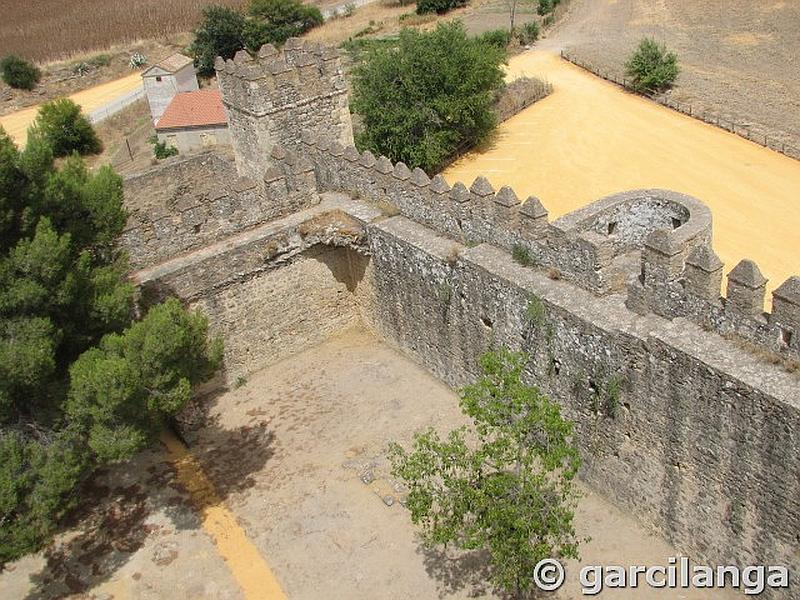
x=275 y=96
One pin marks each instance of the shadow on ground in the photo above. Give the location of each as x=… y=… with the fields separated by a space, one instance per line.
x=121 y=506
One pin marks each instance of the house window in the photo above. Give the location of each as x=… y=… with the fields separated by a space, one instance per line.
x=785 y=337
x=158 y=78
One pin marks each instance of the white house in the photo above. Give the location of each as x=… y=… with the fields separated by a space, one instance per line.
x=165 y=79
x=194 y=120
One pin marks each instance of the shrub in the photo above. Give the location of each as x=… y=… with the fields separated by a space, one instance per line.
x=19 y=73
x=81 y=68
x=547 y=6
x=282 y=19
x=137 y=60
x=62 y=125
x=500 y=38
x=220 y=33
x=415 y=102
x=651 y=68
x=161 y=150
x=528 y=33
x=438 y=6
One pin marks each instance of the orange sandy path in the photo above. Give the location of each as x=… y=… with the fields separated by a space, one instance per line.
x=590 y=138
x=248 y=567
x=16 y=124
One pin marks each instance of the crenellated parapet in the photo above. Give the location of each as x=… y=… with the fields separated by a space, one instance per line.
x=653 y=244
x=273 y=96
x=593 y=247
x=187 y=203
x=682 y=279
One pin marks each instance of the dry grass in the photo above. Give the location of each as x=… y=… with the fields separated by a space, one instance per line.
x=46 y=30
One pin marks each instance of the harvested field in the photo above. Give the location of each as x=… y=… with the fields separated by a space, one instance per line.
x=48 y=30
x=738 y=58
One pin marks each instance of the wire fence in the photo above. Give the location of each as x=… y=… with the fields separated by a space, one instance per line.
x=116 y=105
x=740 y=129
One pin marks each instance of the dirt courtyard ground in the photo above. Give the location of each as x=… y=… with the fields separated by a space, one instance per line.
x=297 y=456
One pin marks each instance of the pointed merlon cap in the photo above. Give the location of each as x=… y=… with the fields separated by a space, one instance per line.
x=705 y=259
x=272 y=174
x=278 y=153
x=481 y=187
x=367 y=159
x=308 y=137
x=439 y=185
x=789 y=291
x=419 y=178
x=242 y=56
x=267 y=51
x=401 y=171
x=384 y=165
x=506 y=197
x=662 y=241
x=336 y=148
x=533 y=208
x=351 y=154
x=219 y=64
x=747 y=273
x=459 y=193
x=293 y=43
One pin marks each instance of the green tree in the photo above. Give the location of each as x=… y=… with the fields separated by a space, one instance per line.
x=65 y=129
x=429 y=97
x=220 y=33
x=19 y=73
x=651 y=67
x=503 y=485
x=275 y=21
x=80 y=384
x=438 y=6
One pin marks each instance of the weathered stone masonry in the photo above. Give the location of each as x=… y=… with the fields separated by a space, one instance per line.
x=621 y=312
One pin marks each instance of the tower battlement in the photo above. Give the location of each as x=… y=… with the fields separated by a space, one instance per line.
x=274 y=96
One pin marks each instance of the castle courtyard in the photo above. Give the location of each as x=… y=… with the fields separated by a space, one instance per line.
x=295 y=457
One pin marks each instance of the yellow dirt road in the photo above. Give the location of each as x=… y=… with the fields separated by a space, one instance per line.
x=16 y=124
x=243 y=559
x=590 y=138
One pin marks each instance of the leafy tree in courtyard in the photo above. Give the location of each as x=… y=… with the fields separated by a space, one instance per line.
x=428 y=97
x=65 y=129
x=503 y=485
x=80 y=383
x=651 y=67
x=220 y=33
x=19 y=73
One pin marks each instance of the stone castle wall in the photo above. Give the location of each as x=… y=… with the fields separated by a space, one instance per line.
x=191 y=202
x=619 y=306
x=681 y=428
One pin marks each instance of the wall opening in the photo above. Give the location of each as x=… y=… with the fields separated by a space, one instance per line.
x=612 y=227
x=785 y=337
x=676 y=222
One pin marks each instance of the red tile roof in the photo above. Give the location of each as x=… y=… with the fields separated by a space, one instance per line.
x=194 y=109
